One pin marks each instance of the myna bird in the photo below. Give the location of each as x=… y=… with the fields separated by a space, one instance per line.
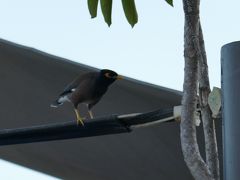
x=88 y=88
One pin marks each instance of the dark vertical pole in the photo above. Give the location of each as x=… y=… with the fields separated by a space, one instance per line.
x=230 y=59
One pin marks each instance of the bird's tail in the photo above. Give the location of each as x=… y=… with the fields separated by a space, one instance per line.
x=56 y=103
x=59 y=101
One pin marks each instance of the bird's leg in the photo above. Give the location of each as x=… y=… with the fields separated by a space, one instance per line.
x=90 y=114
x=79 y=119
x=89 y=106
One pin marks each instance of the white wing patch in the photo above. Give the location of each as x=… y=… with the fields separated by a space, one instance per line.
x=63 y=99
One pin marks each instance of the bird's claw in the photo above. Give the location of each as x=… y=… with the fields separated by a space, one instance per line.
x=80 y=121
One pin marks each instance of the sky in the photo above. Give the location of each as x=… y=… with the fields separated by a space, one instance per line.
x=152 y=51
x=16 y=172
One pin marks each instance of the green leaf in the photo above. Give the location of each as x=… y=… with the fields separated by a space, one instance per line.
x=92 y=7
x=106 y=6
x=130 y=11
x=170 y=2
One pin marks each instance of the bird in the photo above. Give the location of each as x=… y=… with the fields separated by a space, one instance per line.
x=87 y=88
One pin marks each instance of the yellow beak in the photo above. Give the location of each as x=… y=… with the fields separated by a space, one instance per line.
x=119 y=77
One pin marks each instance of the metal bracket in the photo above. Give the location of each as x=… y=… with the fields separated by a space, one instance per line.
x=177 y=115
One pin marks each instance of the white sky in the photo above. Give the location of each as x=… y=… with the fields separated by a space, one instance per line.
x=10 y=171
x=152 y=51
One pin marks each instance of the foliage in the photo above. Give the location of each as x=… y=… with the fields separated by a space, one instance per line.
x=129 y=8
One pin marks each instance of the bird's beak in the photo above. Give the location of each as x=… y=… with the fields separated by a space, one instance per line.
x=119 y=77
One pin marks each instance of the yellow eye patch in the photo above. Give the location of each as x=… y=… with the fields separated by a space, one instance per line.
x=107 y=75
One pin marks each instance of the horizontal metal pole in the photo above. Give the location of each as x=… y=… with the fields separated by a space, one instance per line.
x=95 y=127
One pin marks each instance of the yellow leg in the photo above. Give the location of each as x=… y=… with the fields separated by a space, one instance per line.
x=79 y=119
x=90 y=114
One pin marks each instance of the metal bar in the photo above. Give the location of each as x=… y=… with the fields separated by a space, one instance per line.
x=67 y=130
x=144 y=118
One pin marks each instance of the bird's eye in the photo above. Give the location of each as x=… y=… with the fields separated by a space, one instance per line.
x=107 y=75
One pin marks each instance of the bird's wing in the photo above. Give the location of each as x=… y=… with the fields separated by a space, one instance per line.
x=75 y=83
x=69 y=89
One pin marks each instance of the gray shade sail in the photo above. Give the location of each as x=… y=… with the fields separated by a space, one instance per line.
x=30 y=80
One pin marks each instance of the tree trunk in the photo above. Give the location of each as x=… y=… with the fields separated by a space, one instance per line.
x=192 y=56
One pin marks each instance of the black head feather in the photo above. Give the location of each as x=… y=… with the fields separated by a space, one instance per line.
x=108 y=76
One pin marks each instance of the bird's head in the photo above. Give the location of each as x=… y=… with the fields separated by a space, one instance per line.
x=109 y=75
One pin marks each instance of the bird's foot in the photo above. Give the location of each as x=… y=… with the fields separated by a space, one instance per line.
x=80 y=121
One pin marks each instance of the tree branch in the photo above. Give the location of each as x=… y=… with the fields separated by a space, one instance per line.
x=95 y=127
x=192 y=157
x=208 y=122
